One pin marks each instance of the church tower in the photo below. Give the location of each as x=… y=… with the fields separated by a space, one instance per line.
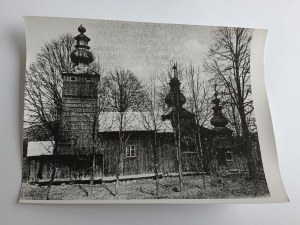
x=222 y=139
x=79 y=101
x=175 y=100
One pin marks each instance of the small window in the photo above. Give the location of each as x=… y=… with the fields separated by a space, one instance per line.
x=88 y=78
x=130 y=151
x=73 y=78
x=229 y=156
x=82 y=42
x=188 y=145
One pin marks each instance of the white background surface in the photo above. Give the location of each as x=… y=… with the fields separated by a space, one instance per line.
x=281 y=18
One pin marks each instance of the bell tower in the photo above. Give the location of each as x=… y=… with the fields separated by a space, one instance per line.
x=79 y=100
x=222 y=139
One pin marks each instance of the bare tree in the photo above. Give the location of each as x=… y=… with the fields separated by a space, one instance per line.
x=152 y=122
x=125 y=93
x=175 y=99
x=228 y=60
x=198 y=89
x=43 y=86
x=232 y=115
x=198 y=103
x=97 y=110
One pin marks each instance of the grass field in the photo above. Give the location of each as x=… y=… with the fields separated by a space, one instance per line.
x=233 y=186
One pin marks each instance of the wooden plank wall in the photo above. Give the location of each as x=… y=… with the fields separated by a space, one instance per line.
x=69 y=168
x=143 y=163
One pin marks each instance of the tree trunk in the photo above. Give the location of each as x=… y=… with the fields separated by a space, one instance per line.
x=55 y=149
x=156 y=164
x=51 y=180
x=94 y=139
x=200 y=153
x=118 y=171
x=179 y=159
x=92 y=174
x=246 y=143
x=119 y=155
x=245 y=130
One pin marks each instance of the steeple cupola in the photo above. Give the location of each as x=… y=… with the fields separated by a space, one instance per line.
x=81 y=54
x=218 y=119
x=175 y=98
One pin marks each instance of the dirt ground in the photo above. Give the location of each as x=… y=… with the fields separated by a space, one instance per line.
x=233 y=186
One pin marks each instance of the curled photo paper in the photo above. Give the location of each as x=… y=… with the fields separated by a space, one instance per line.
x=131 y=112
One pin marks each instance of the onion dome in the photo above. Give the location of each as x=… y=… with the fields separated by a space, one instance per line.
x=81 y=54
x=175 y=98
x=218 y=120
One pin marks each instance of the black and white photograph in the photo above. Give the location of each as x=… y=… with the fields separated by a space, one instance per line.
x=139 y=111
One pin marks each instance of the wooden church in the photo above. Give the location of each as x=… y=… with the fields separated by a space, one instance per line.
x=87 y=137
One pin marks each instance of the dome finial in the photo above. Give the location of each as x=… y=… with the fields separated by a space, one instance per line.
x=175 y=70
x=81 y=29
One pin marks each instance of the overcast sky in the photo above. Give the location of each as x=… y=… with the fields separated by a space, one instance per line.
x=144 y=48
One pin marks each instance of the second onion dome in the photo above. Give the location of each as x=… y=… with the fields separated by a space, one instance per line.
x=218 y=119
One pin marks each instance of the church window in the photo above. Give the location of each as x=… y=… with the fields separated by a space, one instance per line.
x=130 y=150
x=82 y=42
x=188 y=145
x=229 y=156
